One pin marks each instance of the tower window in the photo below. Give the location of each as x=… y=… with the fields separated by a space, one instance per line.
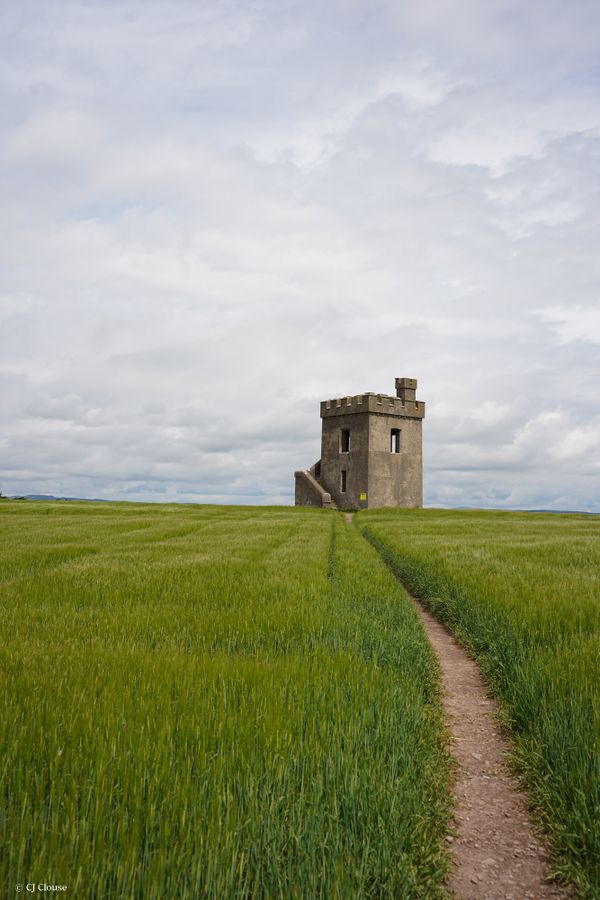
x=345 y=440
x=343 y=481
x=395 y=440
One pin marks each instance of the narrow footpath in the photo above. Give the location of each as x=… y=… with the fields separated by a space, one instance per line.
x=497 y=855
x=496 y=852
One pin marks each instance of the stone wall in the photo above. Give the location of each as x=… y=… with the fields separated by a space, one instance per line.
x=395 y=479
x=355 y=463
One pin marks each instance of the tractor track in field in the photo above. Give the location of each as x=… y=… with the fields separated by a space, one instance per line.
x=497 y=854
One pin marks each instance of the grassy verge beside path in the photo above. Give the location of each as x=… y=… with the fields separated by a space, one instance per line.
x=522 y=592
x=213 y=702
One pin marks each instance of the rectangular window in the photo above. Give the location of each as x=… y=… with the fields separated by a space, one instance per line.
x=395 y=440
x=345 y=440
x=343 y=481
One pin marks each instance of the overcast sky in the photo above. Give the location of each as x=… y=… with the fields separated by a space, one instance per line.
x=216 y=214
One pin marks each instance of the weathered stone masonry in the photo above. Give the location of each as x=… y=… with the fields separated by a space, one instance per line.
x=371 y=452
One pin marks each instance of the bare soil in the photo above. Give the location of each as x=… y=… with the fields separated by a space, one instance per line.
x=496 y=851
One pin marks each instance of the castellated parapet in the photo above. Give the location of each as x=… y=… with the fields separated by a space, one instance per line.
x=371 y=452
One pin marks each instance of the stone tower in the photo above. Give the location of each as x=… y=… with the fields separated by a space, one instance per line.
x=371 y=452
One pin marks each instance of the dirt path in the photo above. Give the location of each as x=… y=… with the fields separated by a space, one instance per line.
x=496 y=852
x=497 y=855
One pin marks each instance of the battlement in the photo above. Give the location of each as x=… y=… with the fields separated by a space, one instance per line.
x=381 y=404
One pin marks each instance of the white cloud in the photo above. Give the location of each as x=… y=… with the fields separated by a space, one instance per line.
x=579 y=444
x=575 y=323
x=218 y=214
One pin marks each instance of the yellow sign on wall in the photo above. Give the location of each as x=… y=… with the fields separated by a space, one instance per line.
x=363 y=496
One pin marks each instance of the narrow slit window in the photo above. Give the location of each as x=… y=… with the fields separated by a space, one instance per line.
x=345 y=441
x=343 y=481
x=395 y=440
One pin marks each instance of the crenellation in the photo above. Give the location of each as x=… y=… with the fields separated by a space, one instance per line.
x=378 y=404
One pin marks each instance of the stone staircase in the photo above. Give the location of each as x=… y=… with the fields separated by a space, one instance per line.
x=309 y=491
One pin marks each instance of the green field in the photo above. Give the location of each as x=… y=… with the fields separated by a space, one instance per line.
x=522 y=592
x=213 y=702
x=240 y=702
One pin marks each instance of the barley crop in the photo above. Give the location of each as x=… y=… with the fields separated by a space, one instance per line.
x=522 y=592
x=213 y=702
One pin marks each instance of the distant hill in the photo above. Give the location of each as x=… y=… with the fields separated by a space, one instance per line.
x=52 y=497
